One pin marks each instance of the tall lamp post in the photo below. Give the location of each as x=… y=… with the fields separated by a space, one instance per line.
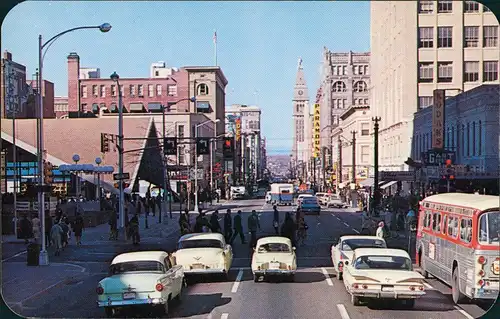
x=105 y=27
x=121 y=201
x=98 y=161
x=196 y=161
x=376 y=194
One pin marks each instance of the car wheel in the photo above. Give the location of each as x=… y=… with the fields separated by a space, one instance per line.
x=421 y=263
x=291 y=278
x=339 y=276
x=166 y=306
x=409 y=304
x=255 y=278
x=455 y=287
x=355 y=300
x=109 y=312
x=225 y=276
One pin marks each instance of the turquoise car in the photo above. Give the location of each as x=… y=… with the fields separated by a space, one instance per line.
x=310 y=205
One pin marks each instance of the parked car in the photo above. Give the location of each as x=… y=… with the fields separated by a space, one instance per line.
x=274 y=255
x=143 y=278
x=335 y=202
x=204 y=253
x=342 y=252
x=381 y=273
x=310 y=205
x=322 y=198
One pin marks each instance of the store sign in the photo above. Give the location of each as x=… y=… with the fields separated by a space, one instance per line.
x=316 y=131
x=438 y=119
x=238 y=129
x=437 y=158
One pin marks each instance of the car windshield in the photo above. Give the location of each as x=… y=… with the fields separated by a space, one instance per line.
x=383 y=262
x=489 y=228
x=200 y=243
x=136 y=266
x=351 y=244
x=274 y=248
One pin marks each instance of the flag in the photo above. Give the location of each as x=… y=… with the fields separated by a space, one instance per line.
x=215 y=37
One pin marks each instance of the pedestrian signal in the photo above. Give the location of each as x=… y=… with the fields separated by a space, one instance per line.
x=228 y=147
x=104 y=143
x=203 y=146
x=170 y=146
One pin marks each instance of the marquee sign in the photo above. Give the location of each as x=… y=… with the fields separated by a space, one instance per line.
x=238 y=129
x=438 y=119
x=316 y=131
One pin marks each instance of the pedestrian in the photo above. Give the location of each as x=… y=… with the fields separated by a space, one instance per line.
x=228 y=226
x=238 y=228
x=35 y=222
x=276 y=220
x=48 y=227
x=78 y=226
x=253 y=226
x=183 y=224
x=26 y=229
x=152 y=205
x=410 y=218
x=134 y=229
x=381 y=231
x=214 y=222
x=65 y=234
x=288 y=228
x=56 y=234
x=201 y=225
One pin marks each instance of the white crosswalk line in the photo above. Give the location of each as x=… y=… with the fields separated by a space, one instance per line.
x=346 y=224
x=343 y=311
x=237 y=282
x=327 y=276
x=357 y=232
x=463 y=312
x=224 y=316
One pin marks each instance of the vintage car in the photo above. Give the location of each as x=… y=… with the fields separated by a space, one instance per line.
x=335 y=202
x=382 y=273
x=203 y=253
x=342 y=252
x=274 y=255
x=301 y=197
x=322 y=198
x=310 y=205
x=144 y=278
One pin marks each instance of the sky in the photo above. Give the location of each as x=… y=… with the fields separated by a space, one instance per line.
x=258 y=44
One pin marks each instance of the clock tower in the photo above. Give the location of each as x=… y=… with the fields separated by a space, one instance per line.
x=300 y=117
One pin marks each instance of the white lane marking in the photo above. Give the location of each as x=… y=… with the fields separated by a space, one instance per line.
x=346 y=224
x=338 y=218
x=237 y=282
x=224 y=316
x=42 y=291
x=16 y=255
x=357 y=232
x=428 y=286
x=327 y=276
x=333 y=215
x=343 y=311
x=463 y=312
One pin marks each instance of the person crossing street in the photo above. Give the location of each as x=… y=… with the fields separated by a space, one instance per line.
x=253 y=226
x=228 y=226
x=276 y=220
x=238 y=229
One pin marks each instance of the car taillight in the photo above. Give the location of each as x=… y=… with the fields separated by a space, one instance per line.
x=159 y=287
x=341 y=264
x=365 y=286
x=355 y=286
x=99 y=290
x=421 y=288
x=480 y=282
x=412 y=288
x=481 y=260
x=481 y=273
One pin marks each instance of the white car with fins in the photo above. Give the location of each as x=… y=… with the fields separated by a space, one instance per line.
x=274 y=255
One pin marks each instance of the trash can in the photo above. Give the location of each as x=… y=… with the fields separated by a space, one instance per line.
x=33 y=254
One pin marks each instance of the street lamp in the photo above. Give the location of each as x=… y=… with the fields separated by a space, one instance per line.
x=163 y=108
x=98 y=161
x=105 y=27
x=196 y=161
x=121 y=201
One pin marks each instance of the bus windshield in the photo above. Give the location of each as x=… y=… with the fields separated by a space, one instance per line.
x=489 y=228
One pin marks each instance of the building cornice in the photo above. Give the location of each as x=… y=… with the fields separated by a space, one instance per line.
x=217 y=70
x=352 y=110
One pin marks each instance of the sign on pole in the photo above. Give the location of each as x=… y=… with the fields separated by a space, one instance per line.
x=316 y=131
x=118 y=177
x=438 y=119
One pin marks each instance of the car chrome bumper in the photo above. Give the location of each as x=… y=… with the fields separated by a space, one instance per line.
x=273 y=272
x=131 y=302
x=204 y=271
x=373 y=293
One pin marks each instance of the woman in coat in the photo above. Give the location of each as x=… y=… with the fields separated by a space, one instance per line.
x=35 y=222
x=56 y=234
x=78 y=228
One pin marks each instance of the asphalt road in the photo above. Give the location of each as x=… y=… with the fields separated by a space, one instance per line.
x=316 y=292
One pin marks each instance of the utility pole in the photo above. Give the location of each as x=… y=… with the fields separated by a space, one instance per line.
x=375 y=164
x=353 y=157
x=339 y=177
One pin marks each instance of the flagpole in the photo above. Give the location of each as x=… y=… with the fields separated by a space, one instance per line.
x=215 y=47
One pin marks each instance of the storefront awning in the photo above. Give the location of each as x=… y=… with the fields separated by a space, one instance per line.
x=136 y=107
x=389 y=184
x=367 y=182
x=154 y=107
x=203 y=105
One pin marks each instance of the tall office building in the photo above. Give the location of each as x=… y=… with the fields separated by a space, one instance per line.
x=418 y=47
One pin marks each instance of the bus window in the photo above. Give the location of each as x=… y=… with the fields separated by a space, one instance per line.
x=445 y=221
x=466 y=230
x=489 y=228
x=438 y=222
x=427 y=220
x=452 y=226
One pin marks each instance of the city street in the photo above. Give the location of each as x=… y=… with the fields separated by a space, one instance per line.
x=316 y=292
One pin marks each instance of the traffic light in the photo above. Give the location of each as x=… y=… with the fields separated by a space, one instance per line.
x=228 y=147
x=104 y=143
x=47 y=171
x=450 y=171
x=203 y=146
x=125 y=185
x=170 y=146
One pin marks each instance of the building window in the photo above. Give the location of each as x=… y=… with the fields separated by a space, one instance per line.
x=344 y=70
x=468 y=139
x=425 y=101
x=445 y=37
x=171 y=90
x=339 y=86
x=140 y=90
x=122 y=90
x=471 y=7
x=453 y=137
x=445 y=72
x=95 y=91
x=471 y=71
x=425 y=72
x=84 y=91
x=151 y=90
x=490 y=71
x=365 y=154
x=473 y=138
x=84 y=107
x=355 y=69
x=344 y=103
x=480 y=134
x=445 y=6
x=471 y=37
x=113 y=90
x=490 y=36
x=365 y=129
x=202 y=89
x=132 y=90
x=103 y=91
x=361 y=69
x=425 y=6
x=425 y=37
x=360 y=86
x=158 y=89
x=157 y=73
x=366 y=101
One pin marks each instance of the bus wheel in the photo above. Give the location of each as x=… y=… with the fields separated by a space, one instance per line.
x=424 y=272
x=455 y=287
